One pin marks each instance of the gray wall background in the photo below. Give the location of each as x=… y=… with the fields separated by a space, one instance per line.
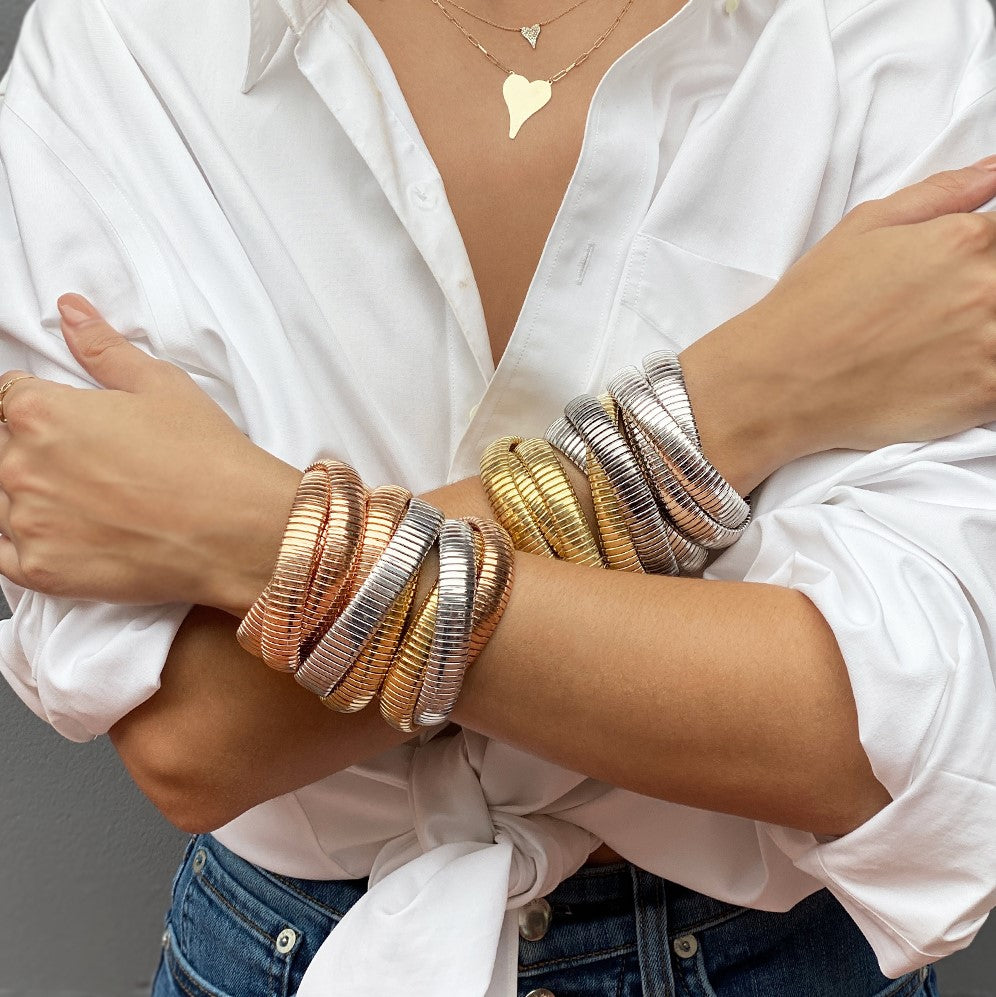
x=86 y=861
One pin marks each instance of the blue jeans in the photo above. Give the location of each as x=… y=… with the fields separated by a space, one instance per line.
x=235 y=930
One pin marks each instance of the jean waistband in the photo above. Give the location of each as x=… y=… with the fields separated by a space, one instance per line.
x=597 y=891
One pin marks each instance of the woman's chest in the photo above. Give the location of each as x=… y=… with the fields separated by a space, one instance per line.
x=403 y=242
x=452 y=69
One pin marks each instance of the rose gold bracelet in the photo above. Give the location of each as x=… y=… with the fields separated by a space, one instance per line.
x=272 y=628
x=338 y=550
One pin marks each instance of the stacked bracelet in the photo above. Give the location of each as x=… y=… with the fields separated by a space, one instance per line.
x=660 y=505
x=338 y=610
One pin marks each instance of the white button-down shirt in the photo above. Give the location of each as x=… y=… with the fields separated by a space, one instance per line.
x=241 y=188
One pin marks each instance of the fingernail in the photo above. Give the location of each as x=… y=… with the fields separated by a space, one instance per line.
x=986 y=164
x=78 y=312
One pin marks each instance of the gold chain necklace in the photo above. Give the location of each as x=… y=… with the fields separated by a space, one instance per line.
x=524 y=97
x=530 y=32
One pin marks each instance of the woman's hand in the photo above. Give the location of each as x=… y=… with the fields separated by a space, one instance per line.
x=884 y=332
x=144 y=492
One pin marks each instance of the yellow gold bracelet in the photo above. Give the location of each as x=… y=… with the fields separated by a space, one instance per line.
x=617 y=546
x=498 y=466
x=494 y=582
x=385 y=509
x=403 y=682
x=569 y=533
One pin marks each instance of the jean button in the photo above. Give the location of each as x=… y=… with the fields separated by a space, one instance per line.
x=686 y=946
x=542 y=992
x=200 y=857
x=534 y=919
x=286 y=940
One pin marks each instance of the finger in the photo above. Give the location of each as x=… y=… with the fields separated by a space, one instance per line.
x=10 y=566
x=102 y=351
x=946 y=193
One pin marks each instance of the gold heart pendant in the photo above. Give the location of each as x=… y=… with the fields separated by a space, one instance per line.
x=524 y=99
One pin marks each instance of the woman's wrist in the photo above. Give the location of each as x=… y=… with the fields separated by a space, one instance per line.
x=247 y=550
x=745 y=422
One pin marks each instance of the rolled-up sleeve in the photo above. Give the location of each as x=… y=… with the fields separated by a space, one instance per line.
x=66 y=225
x=898 y=551
x=897 y=548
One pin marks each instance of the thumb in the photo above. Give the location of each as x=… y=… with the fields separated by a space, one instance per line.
x=101 y=350
x=950 y=192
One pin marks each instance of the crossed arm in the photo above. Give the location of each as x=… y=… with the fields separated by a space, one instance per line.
x=723 y=696
x=728 y=696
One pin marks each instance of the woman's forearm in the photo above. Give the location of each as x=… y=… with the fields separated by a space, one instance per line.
x=728 y=696
x=724 y=696
x=224 y=732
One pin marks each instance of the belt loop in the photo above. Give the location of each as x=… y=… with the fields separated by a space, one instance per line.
x=654 y=949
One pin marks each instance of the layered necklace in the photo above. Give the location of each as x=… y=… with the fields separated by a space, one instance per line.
x=524 y=97
x=530 y=32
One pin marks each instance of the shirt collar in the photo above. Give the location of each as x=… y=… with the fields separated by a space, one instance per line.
x=269 y=21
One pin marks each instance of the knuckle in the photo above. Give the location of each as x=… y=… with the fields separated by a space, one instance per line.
x=26 y=524
x=21 y=524
x=26 y=406
x=13 y=476
x=99 y=343
x=981 y=293
x=970 y=232
x=37 y=572
x=93 y=349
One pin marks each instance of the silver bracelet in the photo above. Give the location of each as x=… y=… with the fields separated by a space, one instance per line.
x=691 y=470
x=663 y=370
x=339 y=647
x=691 y=523
x=450 y=651
x=644 y=522
x=562 y=435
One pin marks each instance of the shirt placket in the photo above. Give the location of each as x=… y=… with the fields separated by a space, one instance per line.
x=572 y=304
x=342 y=60
x=572 y=299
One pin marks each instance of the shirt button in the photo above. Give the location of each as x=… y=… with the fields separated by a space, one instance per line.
x=686 y=946
x=424 y=195
x=731 y=6
x=286 y=940
x=473 y=412
x=534 y=919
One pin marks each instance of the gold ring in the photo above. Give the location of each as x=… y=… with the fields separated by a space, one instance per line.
x=5 y=387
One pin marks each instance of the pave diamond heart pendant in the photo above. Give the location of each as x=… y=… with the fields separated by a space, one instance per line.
x=524 y=99
x=531 y=34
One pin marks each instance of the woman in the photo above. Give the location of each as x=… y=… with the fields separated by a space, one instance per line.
x=257 y=261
